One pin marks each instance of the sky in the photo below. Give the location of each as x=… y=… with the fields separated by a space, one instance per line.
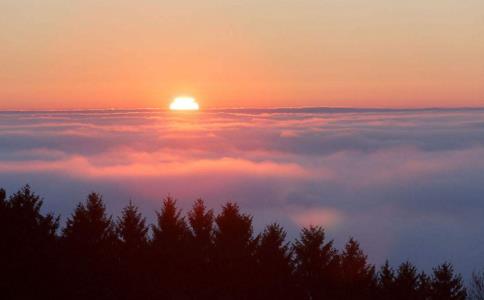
x=407 y=184
x=60 y=54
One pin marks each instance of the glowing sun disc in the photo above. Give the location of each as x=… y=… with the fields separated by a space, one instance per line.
x=184 y=103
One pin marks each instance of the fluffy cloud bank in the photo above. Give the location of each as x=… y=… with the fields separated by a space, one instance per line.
x=407 y=183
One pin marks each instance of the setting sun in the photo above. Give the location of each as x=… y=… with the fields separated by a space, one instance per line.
x=184 y=103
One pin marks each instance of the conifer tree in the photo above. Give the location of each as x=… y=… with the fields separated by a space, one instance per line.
x=207 y=258
x=201 y=222
x=90 y=245
x=446 y=285
x=234 y=253
x=170 y=251
x=133 y=236
x=4 y=215
x=28 y=245
x=386 y=282
x=358 y=276
x=90 y=225
x=424 y=288
x=201 y=253
x=171 y=229
x=3 y=196
x=406 y=283
x=132 y=229
x=274 y=264
x=317 y=264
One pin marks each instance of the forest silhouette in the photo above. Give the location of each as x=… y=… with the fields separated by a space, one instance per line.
x=201 y=255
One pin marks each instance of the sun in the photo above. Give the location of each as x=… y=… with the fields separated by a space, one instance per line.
x=184 y=103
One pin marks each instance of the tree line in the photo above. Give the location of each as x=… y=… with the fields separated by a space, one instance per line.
x=200 y=255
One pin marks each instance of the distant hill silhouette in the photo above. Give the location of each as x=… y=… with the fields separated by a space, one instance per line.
x=197 y=256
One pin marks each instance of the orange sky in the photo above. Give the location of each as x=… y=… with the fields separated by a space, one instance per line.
x=127 y=54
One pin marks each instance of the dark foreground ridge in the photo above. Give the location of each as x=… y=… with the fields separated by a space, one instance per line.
x=197 y=256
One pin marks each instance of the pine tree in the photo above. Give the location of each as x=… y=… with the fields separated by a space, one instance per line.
x=90 y=225
x=4 y=217
x=212 y=258
x=201 y=250
x=201 y=224
x=90 y=245
x=406 y=283
x=358 y=276
x=170 y=251
x=234 y=253
x=446 y=285
x=274 y=264
x=3 y=196
x=132 y=229
x=133 y=235
x=424 y=288
x=28 y=244
x=317 y=265
x=171 y=229
x=386 y=282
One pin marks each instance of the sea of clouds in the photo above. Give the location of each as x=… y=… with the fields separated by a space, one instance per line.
x=408 y=184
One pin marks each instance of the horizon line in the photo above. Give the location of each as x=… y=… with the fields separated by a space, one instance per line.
x=253 y=108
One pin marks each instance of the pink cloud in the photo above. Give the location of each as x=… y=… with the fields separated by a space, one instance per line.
x=318 y=216
x=79 y=166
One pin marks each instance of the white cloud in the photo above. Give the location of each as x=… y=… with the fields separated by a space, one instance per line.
x=380 y=176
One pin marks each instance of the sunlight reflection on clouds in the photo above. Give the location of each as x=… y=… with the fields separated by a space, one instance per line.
x=414 y=173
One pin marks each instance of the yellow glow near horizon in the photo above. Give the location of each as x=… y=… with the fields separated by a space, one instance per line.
x=184 y=103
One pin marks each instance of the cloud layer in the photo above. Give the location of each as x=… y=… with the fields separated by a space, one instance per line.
x=407 y=183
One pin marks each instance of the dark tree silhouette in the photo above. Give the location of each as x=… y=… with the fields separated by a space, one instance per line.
x=3 y=196
x=201 y=250
x=208 y=258
x=234 y=254
x=171 y=228
x=90 y=225
x=317 y=265
x=169 y=250
x=274 y=264
x=358 y=276
x=4 y=215
x=406 y=283
x=201 y=224
x=27 y=246
x=446 y=285
x=90 y=245
x=132 y=230
x=386 y=282
x=133 y=235
x=424 y=288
